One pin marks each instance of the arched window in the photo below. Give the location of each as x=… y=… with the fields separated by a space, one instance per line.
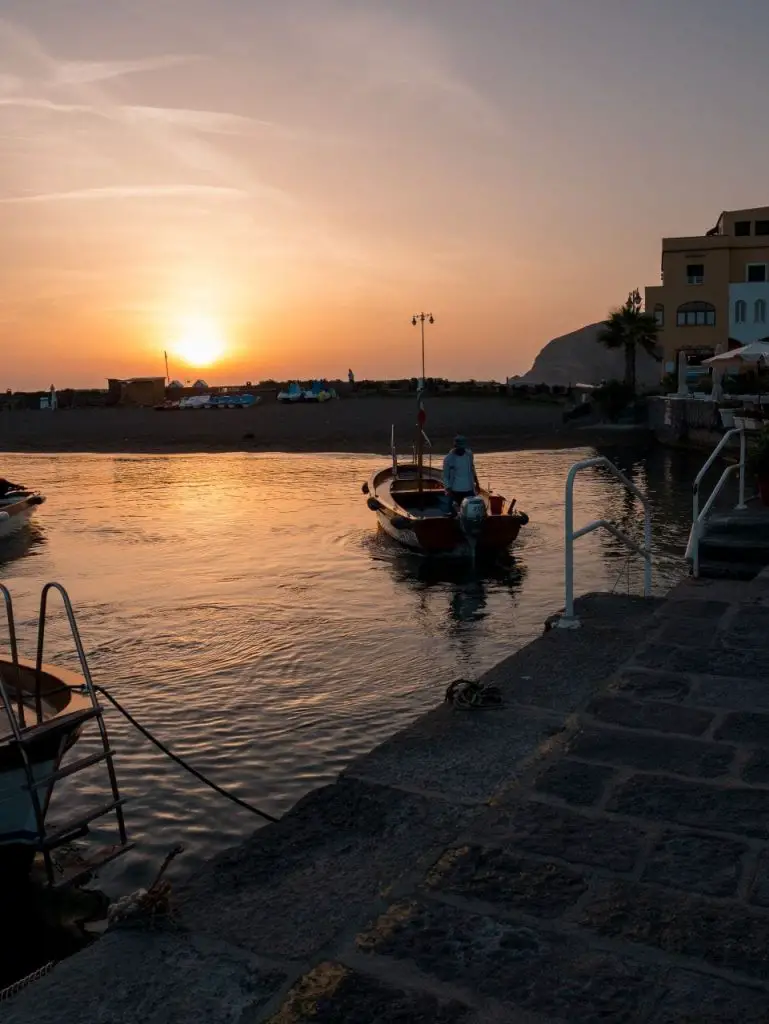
x=759 y=311
x=740 y=311
x=696 y=314
x=659 y=314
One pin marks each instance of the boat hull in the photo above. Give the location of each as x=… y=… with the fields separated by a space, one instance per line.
x=15 y=514
x=420 y=520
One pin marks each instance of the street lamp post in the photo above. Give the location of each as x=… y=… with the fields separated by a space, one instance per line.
x=419 y=318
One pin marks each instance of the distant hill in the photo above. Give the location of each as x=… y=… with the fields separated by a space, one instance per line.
x=578 y=358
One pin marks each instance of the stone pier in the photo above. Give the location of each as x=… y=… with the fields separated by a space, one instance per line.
x=597 y=850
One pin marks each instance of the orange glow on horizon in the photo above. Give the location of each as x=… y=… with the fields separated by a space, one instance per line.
x=200 y=342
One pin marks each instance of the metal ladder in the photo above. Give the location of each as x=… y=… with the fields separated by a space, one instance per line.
x=23 y=735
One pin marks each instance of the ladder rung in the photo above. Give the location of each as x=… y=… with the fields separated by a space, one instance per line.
x=31 y=733
x=76 y=766
x=54 y=840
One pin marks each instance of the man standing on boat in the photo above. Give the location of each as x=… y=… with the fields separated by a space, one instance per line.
x=459 y=476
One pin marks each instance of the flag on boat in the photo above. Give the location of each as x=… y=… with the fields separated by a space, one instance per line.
x=421 y=414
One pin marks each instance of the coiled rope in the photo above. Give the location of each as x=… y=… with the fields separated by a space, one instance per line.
x=180 y=760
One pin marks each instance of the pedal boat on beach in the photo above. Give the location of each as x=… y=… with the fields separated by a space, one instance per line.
x=413 y=507
x=16 y=506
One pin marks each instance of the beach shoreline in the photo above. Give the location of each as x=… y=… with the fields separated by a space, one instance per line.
x=355 y=426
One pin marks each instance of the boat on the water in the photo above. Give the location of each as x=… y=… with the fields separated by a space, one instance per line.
x=16 y=506
x=43 y=710
x=413 y=507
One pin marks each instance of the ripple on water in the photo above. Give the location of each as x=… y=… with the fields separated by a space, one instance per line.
x=245 y=609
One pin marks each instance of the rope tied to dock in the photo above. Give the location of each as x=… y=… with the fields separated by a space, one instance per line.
x=17 y=986
x=469 y=694
x=180 y=760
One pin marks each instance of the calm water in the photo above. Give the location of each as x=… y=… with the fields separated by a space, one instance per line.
x=244 y=608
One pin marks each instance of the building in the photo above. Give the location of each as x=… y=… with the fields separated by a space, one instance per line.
x=136 y=391
x=715 y=287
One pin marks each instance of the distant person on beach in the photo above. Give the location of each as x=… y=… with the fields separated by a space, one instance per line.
x=459 y=476
x=351 y=378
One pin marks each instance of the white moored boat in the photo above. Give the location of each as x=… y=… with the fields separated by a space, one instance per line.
x=16 y=506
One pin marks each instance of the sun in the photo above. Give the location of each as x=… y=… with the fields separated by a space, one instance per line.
x=200 y=342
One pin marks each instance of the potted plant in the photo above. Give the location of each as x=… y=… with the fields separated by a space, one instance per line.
x=758 y=464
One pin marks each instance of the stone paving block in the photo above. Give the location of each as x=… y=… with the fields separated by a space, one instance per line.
x=718 y=661
x=574 y=781
x=759 y=889
x=755 y=770
x=749 y=626
x=459 y=754
x=699 y=863
x=700 y=632
x=641 y=750
x=510 y=881
x=334 y=994
x=736 y=809
x=563 y=668
x=733 y=693
x=523 y=966
x=725 y=935
x=549 y=831
x=691 y=608
x=290 y=888
x=745 y=727
x=688 y=997
x=646 y=684
x=152 y=977
x=640 y=714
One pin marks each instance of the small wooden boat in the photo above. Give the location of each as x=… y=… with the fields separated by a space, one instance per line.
x=16 y=506
x=413 y=507
x=43 y=709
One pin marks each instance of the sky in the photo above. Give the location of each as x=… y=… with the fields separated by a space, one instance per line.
x=276 y=188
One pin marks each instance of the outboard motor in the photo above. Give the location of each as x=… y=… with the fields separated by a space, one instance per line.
x=472 y=516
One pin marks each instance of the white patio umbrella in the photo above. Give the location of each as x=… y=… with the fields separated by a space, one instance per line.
x=751 y=355
x=683 y=365
x=717 y=389
x=748 y=355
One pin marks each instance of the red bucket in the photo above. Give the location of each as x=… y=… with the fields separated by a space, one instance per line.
x=496 y=504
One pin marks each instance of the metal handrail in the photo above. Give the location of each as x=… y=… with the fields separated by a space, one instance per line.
x=89 y=688
x=8 y=603
x=569 y=620
x=699 y=517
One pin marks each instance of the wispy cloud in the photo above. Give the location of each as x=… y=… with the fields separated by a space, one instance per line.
x=389 y=51
x=208 y=122
x=83 y=72
x=133 y=192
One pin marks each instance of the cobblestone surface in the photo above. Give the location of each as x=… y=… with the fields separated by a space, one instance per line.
x=643 y=750
x=574 y=782
x=656 y=715
x=602 y=859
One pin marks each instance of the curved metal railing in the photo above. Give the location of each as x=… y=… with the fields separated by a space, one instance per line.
x=569 y=620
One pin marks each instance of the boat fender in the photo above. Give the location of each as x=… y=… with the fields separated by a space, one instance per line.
x=374 y=505
x=4 y=516
x=364 y=488
x=524 y=518
x=400 y=522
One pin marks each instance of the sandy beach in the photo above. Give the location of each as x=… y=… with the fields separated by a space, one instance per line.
x=352 y=424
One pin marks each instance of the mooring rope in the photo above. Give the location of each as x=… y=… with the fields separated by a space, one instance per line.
x=180 y=761
x=17 y=986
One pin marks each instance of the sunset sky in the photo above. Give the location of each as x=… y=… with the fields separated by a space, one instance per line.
x=279 y=186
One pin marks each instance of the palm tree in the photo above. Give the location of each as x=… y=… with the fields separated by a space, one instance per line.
x=629 y=327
